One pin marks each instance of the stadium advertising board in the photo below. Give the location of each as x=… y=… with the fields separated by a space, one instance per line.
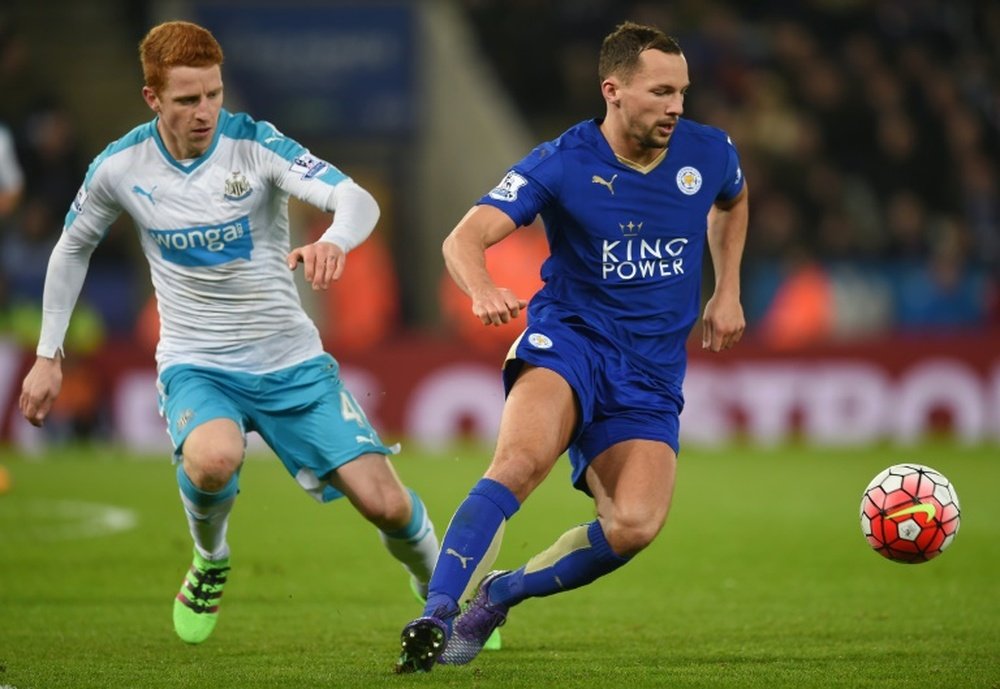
x=433 y=390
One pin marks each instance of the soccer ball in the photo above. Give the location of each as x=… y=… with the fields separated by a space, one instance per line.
x=909 y=513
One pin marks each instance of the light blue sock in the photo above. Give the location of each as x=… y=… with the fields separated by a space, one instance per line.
x=204 y=498
x=580 y=556
x=469 y=538
x=208 y=514
x=416 y=544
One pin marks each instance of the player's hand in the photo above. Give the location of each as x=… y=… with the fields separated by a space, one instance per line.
x=723 y=323
x=40 y=388
x=496 y=305
x=323 y=261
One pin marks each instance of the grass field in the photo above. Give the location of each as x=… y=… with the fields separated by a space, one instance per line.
x=761 y=578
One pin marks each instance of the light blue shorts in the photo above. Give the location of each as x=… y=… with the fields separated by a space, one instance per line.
x=304 y=413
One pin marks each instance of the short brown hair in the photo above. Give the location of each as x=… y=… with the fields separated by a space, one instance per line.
x=176 y=44
x=621 y=48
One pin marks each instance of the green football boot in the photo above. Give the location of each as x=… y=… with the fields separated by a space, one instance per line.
x=196 y=608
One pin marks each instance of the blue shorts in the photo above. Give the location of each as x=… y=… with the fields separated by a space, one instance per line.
x=617 y=399
x=304 y=413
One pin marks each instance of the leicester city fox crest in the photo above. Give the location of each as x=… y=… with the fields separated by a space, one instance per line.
x=237 y=187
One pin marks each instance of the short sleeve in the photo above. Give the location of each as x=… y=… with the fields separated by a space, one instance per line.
x=733 y=175
x=528 y=187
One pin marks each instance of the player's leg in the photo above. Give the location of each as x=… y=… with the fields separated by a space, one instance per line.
x=207 y=478
x=375 y=491
x=539 y=417
x=324 y=439
x=633 y=487
x=205 y=429
x=632 y=483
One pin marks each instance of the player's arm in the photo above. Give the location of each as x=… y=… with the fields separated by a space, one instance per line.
x=355 y=215
x=63 y=281
x=91 y=214
x=723 y=322
x=465 y=256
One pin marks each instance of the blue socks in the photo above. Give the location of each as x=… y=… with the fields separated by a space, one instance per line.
x=580 y=556
x=468 y=544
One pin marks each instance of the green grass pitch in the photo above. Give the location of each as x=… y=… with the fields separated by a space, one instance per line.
x=761 y=578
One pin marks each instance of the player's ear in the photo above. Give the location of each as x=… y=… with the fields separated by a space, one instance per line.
x=149 y=95
x=609 y=89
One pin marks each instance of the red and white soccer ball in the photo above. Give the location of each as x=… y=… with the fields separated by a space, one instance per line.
x=910 y=513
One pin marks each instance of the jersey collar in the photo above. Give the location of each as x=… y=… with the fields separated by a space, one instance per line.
x=605 y=147
x=196 y=163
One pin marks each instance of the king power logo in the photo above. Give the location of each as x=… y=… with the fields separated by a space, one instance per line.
x=630 y=259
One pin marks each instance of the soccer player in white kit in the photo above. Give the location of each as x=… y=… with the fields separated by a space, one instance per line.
x=208 y=191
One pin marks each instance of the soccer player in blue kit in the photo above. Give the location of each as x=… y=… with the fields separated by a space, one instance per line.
x=208 y=192
x=629 y=203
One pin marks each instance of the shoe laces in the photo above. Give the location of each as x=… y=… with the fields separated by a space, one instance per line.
x=486 y=616
x=207 y=584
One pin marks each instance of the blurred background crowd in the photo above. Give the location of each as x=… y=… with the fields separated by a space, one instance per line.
x=869 y=132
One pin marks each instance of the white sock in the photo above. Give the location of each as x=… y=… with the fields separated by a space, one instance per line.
x=418 y=553
x=208 y=527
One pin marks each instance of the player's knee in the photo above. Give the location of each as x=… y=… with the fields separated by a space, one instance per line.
x=519 y=470
x=389 y=510
x=629 y=534
x=212 y=470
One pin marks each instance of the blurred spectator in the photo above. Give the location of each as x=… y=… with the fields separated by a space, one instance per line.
x=363 y=307
x=25 y=251
x=801 y=312
x=942 y=290
x=11 y=175
x=53 y=163
x=514 y=263
x=11 y=188
x=864 y=128
x=19 y=86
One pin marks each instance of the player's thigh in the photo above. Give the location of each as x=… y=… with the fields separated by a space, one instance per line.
x=633 y=484
x=205 y=423
x=371 y=484
x=539 y=418
x=319 y=428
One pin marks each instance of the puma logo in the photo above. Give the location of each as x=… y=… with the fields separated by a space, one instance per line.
x=463 y=560
x=142 y=192
x=597 y=179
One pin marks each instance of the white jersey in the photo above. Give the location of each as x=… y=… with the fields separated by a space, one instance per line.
x=215 y=233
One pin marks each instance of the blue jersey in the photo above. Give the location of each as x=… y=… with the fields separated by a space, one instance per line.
x=626 y=243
